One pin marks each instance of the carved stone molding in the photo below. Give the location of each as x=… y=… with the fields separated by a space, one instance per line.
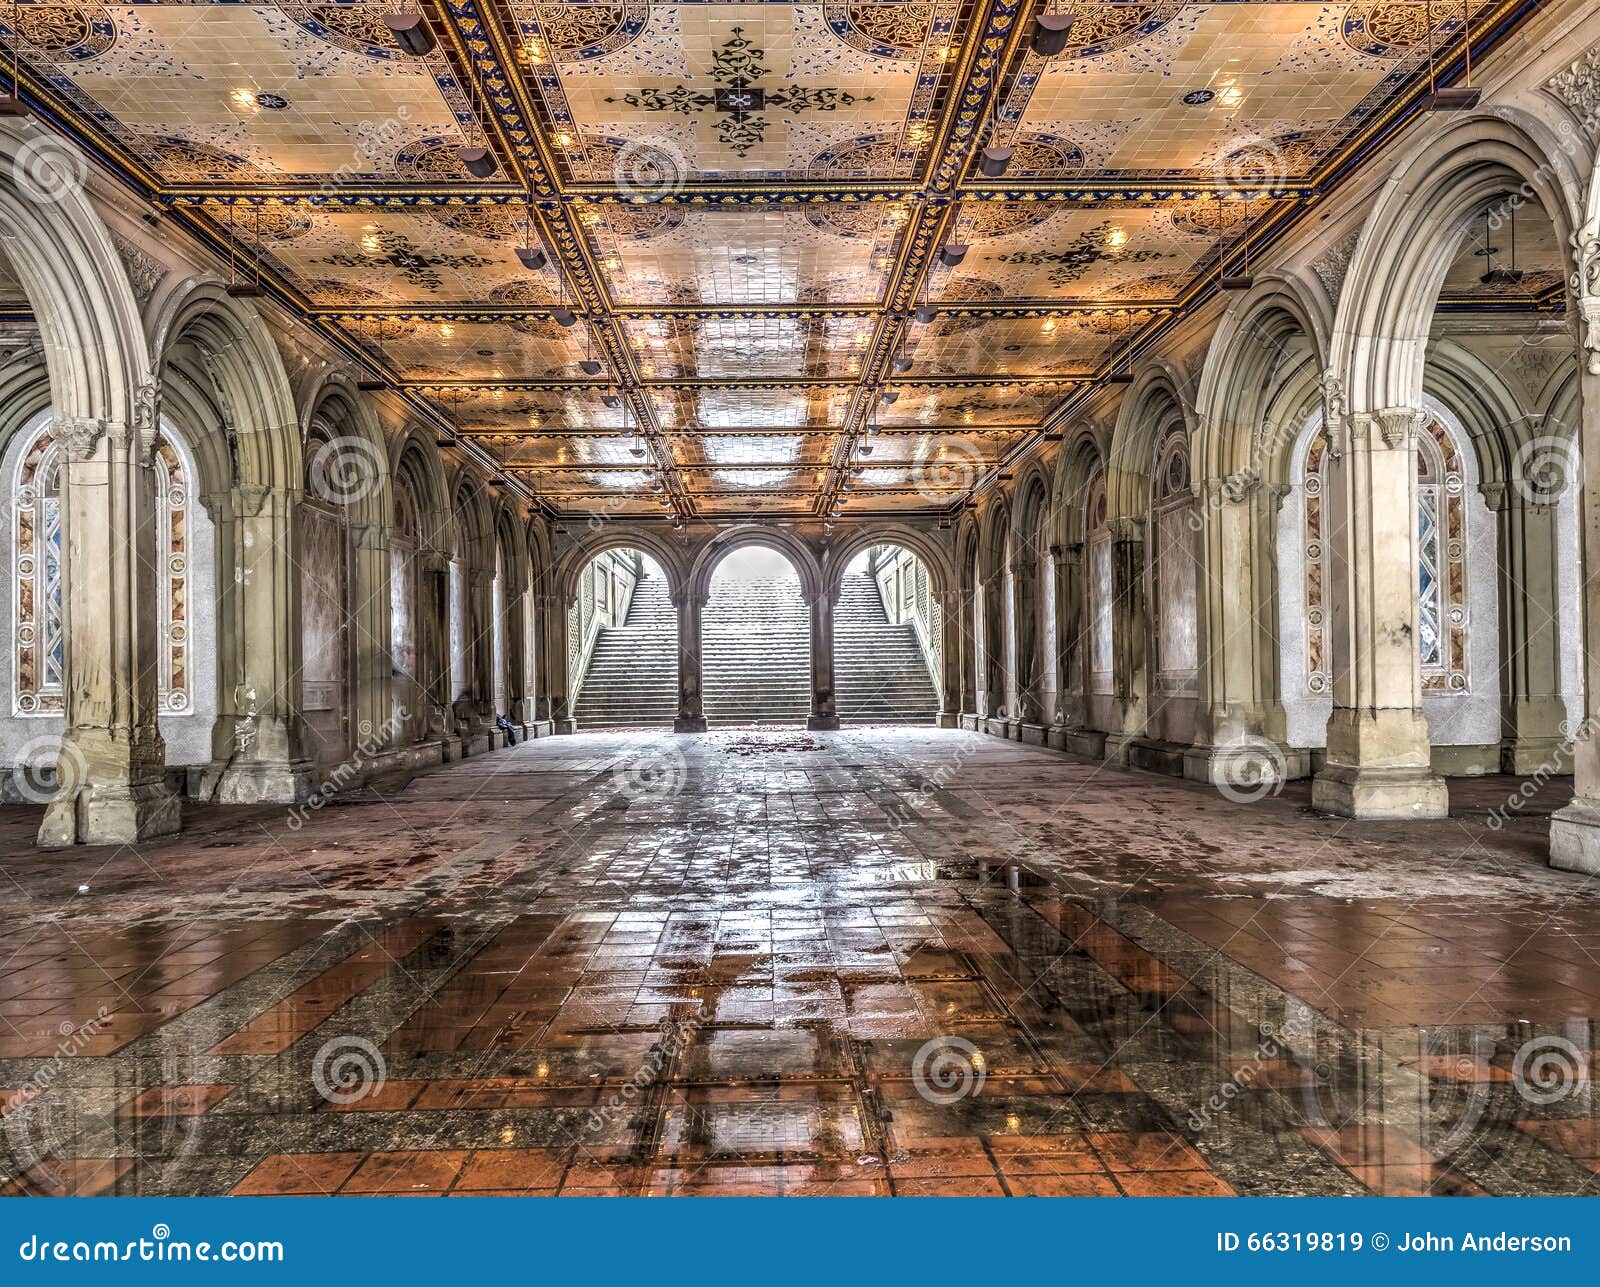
x=144 y=271
x=1334 y=263
x=1335 y=410
x=1494 y=494
x=1585 y=286
x=1579 y=85
x=1396 y=428
x=81 y=434
x=1126 y=529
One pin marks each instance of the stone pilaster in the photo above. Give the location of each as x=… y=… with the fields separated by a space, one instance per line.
x=1239 y=719
x=1129 y=634
x=262 y=736
x=691 y=717
x=111 y=762
x=1025 y=609
x=824 y=712
x=1377 y=763
x=1068 y=651
x=950 y=660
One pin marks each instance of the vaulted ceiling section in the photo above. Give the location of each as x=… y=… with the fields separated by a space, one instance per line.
x=743 y=205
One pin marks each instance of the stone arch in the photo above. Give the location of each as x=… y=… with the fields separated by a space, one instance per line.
x=226 y=387
x=1379 y=343
x=726 y=541
x=926 y=545
x=667 y=553
x=1032 y=696
x=1152 y=405
x=967 y=578
x=104 y=395
x=471 y=572
x=1261 y=337
x=1079 y=464
x=415 y=456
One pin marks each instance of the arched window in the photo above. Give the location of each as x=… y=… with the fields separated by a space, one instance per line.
x=38 y=582
x=1441 y=563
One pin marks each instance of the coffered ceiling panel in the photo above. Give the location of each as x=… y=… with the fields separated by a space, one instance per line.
x=744 y=256
x=244 y=92
x=743 y=204
x=652 y=95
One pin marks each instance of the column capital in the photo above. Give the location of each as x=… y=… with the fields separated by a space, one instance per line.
x=1395 y=428
x=1585 y=285
x=1126 y=529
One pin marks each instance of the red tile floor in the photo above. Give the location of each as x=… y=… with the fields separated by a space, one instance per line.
x=880 y=962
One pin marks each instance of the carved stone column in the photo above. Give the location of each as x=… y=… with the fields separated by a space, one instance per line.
x=950 y=660
x=824 y=712
x=433 y=648
x=1239 y=719
x=992 y=676
x=264 y=754
x=1025 y=610
x=1377 y=762
x=553 y=611
x=110 y=767
x=1575 y=830
x=1532 y=711
x=1129 y=634
x=691 y=717
x=1066 y=565
x=374 y=703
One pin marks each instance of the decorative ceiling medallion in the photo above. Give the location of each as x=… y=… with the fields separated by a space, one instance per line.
x=580 y=32
x=893 y=30
x=356 y=28
x=738 y=103
x=180 y=160
x=1105 y=28
x=1389 y=30
x=76 y=33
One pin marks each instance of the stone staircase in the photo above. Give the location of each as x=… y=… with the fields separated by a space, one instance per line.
x=879 y=670
x=755 y=648
x=633 y=671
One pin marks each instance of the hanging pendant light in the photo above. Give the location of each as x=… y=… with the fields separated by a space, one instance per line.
x=250 y=289
x=11 y=104
x=952 y=253
x=1050 y=32
x=1451 y=98
x=411 y=33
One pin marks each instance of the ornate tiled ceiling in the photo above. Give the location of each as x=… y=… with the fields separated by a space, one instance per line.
x=742 y=203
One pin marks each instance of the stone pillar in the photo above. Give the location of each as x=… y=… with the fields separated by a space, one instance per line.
x=110 y=768
x=950 y=660
x=1128 y=634
x=992 y=678
x=480 y=647
x=824 y=713
x=433 y=648
x=261 y=737
x=1067 y=567
x=1025 y=609
x=1575 y=830
x=1239 y=721
x=967 y=627
x=553 y=609
x=1531 y=710
x=374 y=701
x=1377 y=762
x=691 y=716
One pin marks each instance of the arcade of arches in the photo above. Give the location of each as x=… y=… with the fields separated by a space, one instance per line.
x=1173 y=613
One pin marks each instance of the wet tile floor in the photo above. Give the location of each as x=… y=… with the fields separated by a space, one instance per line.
x=878 y=962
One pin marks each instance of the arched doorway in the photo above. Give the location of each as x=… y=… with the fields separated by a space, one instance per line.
x=623 y=630
x=756 y=641
x=887 y=636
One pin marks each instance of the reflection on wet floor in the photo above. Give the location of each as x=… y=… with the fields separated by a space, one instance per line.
x=631 y=964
